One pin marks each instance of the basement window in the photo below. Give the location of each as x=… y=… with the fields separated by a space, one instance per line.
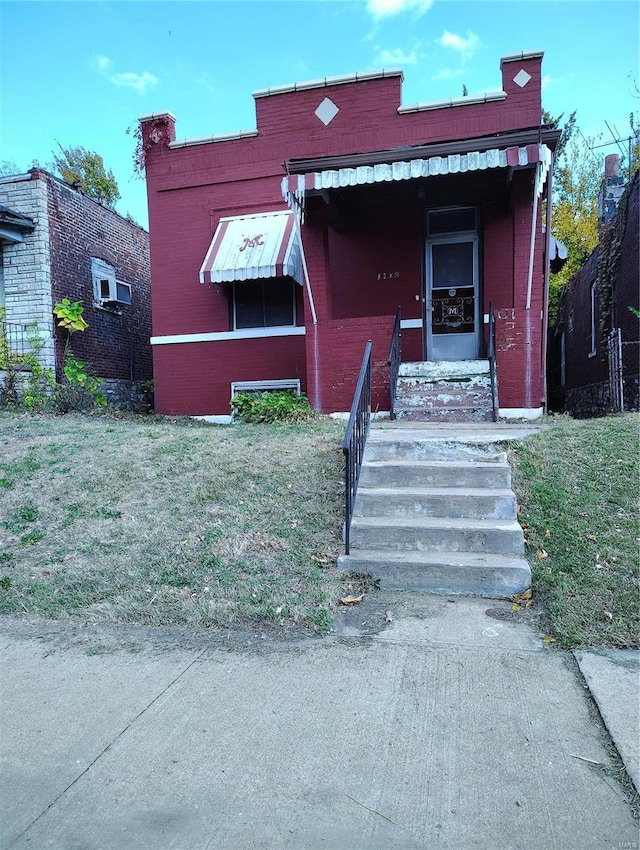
x=292 y=384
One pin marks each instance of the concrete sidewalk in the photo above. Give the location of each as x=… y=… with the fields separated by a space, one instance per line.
x=446 y=728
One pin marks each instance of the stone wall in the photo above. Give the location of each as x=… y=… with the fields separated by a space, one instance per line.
x=26 y=266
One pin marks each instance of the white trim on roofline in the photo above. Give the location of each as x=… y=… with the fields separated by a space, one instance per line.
x=221 y=336
x=153 y=115
x=408 y=324
x=520 y=57
x=216 y=137
x=323 y=82
x=483 y=97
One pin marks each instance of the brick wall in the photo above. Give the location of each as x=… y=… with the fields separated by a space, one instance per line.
x=586 y=384
x=116 y=343
x=54 y=262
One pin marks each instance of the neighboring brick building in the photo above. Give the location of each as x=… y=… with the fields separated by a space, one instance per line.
x=56 y=243
x=435 y=207
x=596 y=302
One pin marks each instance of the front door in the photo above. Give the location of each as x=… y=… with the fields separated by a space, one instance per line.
x=452 y=315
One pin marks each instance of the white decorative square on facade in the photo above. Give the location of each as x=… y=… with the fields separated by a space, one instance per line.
x=521 y=78
x=327 y=111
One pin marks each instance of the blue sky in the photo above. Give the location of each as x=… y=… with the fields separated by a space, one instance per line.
x=81 y=73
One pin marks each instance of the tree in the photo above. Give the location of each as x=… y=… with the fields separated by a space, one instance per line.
x=9 y=167
x=85 y=169
x=576 y=181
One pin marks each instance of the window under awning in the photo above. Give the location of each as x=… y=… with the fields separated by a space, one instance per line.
x=296 y=186
x=249 y=247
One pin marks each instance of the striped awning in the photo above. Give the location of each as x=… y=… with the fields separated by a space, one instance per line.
x=249 y=247
x=295 y=186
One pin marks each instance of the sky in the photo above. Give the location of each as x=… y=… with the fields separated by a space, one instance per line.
x=81 y=73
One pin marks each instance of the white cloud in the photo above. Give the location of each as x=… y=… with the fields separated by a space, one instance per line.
x=547 y=78
x=100 y=62
x=139 y=82
x=466 y=47
x=396 y=56
x=128 y=79
x=386 y=8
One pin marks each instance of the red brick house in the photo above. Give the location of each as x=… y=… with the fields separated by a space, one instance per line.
x=276 y=253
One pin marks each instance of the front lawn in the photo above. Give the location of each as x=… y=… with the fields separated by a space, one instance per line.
x=577 y=486
x=159 y=521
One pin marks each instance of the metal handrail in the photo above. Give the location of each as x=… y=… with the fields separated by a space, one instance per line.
x=355 y=438
x=491 y=355
x=393 y=361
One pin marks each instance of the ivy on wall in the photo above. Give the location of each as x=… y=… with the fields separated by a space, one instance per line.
x=609 y=258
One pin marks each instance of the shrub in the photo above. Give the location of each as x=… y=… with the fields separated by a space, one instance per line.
x=270 y=406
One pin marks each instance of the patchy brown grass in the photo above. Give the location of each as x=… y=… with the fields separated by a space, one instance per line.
x=161 y=521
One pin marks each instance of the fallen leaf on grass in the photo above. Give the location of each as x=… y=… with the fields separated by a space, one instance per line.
x=542 y=554
x=548 y=640
x=318 y=560
x=352 y=600
x=608 y=615
x=515 y=608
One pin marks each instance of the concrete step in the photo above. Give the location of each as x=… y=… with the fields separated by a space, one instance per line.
x=460 y=413
x=458 y=502
x=412 y=445
x=437 y=399
x=433 y=473
x=469 y=573
x=444 y=369
x=437 y=534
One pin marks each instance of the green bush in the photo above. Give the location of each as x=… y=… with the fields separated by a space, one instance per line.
x=270 y=406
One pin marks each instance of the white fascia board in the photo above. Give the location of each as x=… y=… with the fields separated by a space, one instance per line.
x=158 y=115
x=325 y=82
x=217 y=137
x=408 y=324
x=520 y=57
x=483 y=97
x=222 y=336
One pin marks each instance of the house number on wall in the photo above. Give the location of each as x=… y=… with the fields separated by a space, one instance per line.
x=388 y=275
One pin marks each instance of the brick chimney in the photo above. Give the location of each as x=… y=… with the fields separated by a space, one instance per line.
x=611 y=190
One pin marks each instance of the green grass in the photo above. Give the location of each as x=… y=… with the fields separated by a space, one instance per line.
x=159 y=521
x=577 y=486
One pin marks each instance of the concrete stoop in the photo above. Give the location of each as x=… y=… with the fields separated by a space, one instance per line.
x=444 y=391
x=437 y=515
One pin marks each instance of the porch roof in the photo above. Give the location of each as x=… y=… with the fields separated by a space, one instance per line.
x=516 y=150
x=248 y=247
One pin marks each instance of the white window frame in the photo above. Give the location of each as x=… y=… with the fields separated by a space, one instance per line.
x=103 y=272
x=594 y=322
